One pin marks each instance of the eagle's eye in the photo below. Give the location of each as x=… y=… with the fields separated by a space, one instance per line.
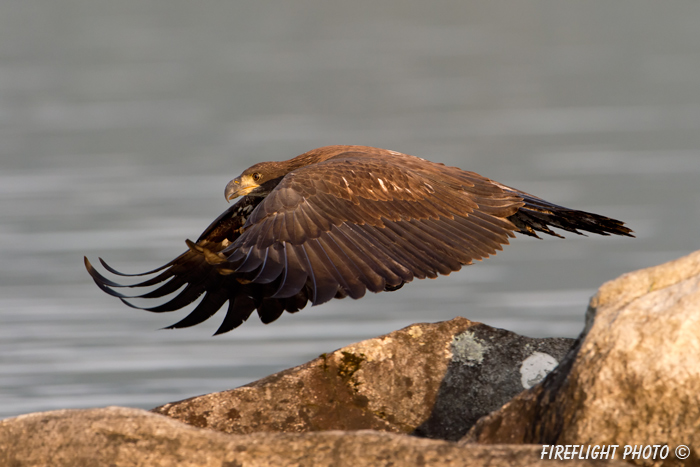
x=257 y=176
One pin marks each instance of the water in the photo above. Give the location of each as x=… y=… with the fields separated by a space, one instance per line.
x=121 y=123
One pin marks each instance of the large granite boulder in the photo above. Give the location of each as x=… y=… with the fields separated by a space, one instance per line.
x=121 y=437
x=633 y=377
x=432 y=380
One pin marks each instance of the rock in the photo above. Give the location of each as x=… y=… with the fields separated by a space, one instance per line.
x=433 y=380
x=633 y=377
x=120 y=437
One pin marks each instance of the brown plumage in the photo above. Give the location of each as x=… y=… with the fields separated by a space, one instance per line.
x=338 y=221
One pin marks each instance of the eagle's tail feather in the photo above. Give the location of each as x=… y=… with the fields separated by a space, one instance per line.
x=538 y=215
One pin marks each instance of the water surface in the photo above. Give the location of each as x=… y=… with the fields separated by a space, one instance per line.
x=121 y=123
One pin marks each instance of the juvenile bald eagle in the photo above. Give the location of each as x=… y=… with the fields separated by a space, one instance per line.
x=338 y=221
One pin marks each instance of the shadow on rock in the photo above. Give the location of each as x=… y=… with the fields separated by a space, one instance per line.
x=488 y=368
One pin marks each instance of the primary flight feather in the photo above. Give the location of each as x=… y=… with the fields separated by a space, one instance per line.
x=338 y=221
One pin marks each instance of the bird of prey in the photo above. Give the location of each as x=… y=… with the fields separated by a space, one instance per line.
x=338 y=221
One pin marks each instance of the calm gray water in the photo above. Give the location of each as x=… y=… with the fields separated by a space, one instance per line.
x=121 y=123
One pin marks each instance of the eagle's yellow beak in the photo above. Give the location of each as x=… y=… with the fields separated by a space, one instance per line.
x=239 y=186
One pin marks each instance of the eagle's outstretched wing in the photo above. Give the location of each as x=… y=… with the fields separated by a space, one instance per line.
x=360 y=220
x=198 y=277
x=356 y=222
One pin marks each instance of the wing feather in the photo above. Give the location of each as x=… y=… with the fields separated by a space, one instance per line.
x=293 y=275
x=239 y=310
x=345 y=237
x=209 y=305
x=325 y=286
x=349 y=272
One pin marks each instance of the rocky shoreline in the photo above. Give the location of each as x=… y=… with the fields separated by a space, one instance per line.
x=448 y=393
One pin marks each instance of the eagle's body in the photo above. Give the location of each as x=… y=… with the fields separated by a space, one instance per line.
x=340 y=220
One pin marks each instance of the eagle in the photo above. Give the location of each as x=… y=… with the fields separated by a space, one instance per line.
x=338 y=221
